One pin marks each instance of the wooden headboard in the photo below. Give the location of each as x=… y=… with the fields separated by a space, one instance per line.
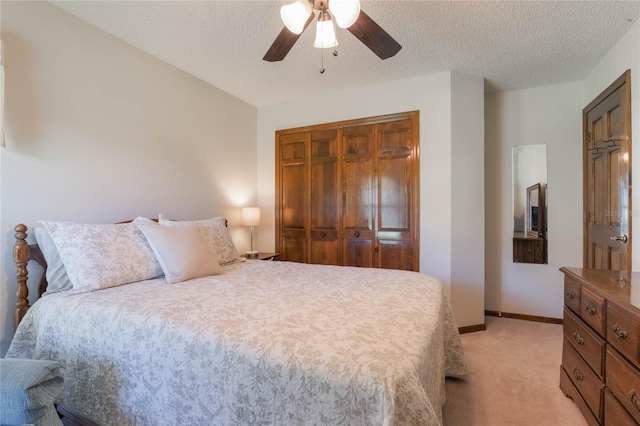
x=23 y=252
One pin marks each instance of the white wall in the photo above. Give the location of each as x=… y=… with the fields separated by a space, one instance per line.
x=623 y=56
x=432 y=96
x=547 y=115
x=98 y=131
x=467 y=198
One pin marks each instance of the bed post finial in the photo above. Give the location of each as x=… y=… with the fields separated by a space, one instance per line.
x=20 y=258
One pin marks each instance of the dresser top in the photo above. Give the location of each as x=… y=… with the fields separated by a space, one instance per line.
x=619 y=286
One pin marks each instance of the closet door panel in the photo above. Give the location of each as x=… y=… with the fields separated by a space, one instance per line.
x=325 y=248
x=394 y=254
x=395 y=205
x=294 y=193
x=358 y=196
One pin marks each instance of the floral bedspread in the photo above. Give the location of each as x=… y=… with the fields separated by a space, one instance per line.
x=265 y=343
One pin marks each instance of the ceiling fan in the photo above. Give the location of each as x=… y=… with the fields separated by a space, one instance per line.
x=298 y=15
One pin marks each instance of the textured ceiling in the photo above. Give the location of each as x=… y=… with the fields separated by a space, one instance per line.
x=513 y=44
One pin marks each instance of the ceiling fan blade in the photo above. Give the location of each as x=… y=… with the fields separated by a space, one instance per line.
x=284 y=42
x=374 y=37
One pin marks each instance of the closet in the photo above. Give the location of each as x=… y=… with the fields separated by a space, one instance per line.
x=347 y=193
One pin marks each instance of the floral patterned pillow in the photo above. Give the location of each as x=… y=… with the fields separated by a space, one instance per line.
x=102 y=256
x=215 y=233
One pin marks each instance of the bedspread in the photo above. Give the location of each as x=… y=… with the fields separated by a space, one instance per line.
x=265 y=343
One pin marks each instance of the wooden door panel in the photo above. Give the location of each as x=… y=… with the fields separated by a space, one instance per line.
x=293 y=148
x=395 y=136
x=395 y=255
x=358 y=252
x=357 y=142
x=293 y=191
x=607 y=170
x=393 y=195
x=294 y=197
x=615 y=203
x=293 y=245
x=324 y=201
x=325 y=251
x=324 y=195
x=395 y=215
x=598 y=180
x=358 y=196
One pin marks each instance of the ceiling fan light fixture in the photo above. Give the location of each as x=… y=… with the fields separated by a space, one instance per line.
x=345 y=12
x=295 y=15
x=325 y=35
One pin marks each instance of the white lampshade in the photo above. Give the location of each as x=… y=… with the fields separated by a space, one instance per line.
x=345 y=11
x=295 y=15
x=325 y=35
x=251 y=216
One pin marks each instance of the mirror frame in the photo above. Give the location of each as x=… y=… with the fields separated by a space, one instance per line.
x=538 y=232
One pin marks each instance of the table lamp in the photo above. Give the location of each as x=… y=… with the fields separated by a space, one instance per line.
x=251 y=217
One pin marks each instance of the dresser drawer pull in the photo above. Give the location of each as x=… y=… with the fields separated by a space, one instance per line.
x=324 y=234
x=570 y=294
x=577 y=374
x=578 y=338
x=620 y=332
x=635 y=400
x=591 y=310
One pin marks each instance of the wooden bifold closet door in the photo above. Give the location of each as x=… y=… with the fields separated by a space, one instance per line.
x=347 y=193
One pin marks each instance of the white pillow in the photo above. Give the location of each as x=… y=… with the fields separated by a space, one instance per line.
x=101 y=256
x=57 y=278
x=215 y=233
x=182 y=252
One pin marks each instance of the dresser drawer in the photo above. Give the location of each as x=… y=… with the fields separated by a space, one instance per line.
x=572 y=294
x=614 y=413
x=584 y=379
x=624 y=381
x=588 y=344
x=592 y=310
x=566 y=385
x=623 y=328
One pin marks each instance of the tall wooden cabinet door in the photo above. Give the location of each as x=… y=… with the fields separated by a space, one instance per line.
x=607 y=172
x=325 y=180
x=293 y=168
x=397 y=209
x=358 y=195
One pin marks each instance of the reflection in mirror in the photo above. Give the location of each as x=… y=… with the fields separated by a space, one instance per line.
x=530 y=204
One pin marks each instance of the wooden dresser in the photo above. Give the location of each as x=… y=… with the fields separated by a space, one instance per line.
x=601 y=351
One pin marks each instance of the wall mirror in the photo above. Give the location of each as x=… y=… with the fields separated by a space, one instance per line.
x=529 y=164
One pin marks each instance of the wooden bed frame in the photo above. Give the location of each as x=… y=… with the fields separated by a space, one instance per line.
x=23 y=252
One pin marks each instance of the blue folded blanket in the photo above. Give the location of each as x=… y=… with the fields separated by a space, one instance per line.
x=28 y=390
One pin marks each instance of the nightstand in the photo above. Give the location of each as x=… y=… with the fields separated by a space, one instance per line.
x=265 y=256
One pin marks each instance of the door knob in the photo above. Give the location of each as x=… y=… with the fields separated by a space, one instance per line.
x=623 y=238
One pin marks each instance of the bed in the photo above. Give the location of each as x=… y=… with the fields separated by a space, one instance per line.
x=254 y=343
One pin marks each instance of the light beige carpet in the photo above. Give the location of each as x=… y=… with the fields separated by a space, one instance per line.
x=514 y=374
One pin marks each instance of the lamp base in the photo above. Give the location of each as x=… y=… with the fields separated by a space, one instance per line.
x=251 y=255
